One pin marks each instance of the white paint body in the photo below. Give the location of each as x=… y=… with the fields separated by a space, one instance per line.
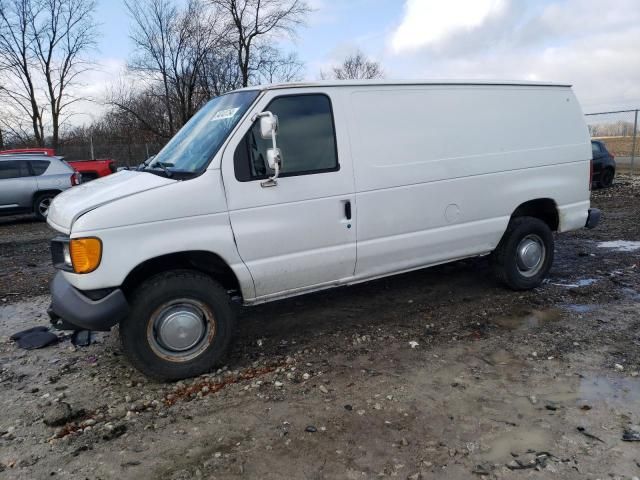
x=433 y=172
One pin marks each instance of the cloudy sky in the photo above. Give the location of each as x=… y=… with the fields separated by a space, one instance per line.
x=592 y=44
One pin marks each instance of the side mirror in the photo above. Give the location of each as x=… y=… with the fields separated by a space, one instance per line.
x=269 y=129
x=268 y=126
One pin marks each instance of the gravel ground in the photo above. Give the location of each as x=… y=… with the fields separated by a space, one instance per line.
x=440 y=373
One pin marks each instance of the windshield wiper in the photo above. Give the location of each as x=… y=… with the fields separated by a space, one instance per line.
x=164 y=168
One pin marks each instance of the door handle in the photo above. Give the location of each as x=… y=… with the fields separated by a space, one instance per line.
x=347 y=209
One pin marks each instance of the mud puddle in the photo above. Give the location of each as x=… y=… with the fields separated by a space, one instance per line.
x=528 y=320
x=583 y=282
x=517 y=441
x=579 y=308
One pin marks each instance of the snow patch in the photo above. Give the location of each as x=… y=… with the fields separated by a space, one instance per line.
x=620 y=245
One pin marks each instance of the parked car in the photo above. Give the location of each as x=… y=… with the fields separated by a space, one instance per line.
x=604 y=164
x=92 y=169
x=28 y=184
x=270 y=192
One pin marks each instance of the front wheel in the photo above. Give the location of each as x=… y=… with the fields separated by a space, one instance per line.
x=41 y=205
x=524 y=256
x=179 y=326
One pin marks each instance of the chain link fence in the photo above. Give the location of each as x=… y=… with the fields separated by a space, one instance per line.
x=619 y=132
x=125 y=155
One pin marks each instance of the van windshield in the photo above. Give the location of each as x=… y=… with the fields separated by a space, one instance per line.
x=191 y=149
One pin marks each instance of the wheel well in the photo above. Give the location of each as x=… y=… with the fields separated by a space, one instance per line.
x=202 y=261
x=41 y=192
x=542 y=208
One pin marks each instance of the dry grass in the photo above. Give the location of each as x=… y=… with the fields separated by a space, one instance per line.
x=620 y=146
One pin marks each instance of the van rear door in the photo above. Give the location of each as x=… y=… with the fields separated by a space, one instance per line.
x=298 y=234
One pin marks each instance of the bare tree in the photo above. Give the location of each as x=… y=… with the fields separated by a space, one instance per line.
x=42 y=47
x=256 y=20
x=19 y=92
x=355 y=67
x=186 y=55
x=619 y=128
x=272 y=66
x=145 y=109
x=172 y=48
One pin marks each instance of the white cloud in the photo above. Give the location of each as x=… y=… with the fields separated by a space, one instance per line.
x=93 y=90
x=427 y=22
x=573 y=41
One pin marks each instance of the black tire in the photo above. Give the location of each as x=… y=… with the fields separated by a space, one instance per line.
x=139 y=337
x=606 y=179
x=41 y=205
x=504 y=258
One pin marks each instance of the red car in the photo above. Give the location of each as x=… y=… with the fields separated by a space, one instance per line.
x=90 y=169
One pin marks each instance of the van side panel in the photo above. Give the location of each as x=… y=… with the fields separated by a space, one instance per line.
x=439 y=170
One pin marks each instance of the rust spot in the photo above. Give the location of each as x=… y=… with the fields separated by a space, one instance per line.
x=183 y=393
x=186 y=392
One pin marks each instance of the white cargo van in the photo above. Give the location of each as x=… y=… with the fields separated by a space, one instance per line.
x=275 y=191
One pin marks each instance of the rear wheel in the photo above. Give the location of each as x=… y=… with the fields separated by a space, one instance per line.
x=179 y=326
x=41 y=205
x=607 y=178
x=524 y=255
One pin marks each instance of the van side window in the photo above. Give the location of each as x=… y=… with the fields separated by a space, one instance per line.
x=306 y=138
x=595 y=147
x=13 y=169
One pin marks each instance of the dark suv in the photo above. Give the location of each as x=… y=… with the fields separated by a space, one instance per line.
x=604 y=165
x=28 y=183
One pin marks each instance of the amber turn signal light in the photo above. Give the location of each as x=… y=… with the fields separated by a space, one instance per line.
x=86 y=254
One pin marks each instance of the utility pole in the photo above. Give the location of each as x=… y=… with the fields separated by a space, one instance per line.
x=93 y=157
x=635 y=134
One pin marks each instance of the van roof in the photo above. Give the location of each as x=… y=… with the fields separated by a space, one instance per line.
x=369 y=83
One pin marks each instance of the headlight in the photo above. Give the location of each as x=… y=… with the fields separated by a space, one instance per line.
x=79 y=255
x=85 y=254
x=66 y=255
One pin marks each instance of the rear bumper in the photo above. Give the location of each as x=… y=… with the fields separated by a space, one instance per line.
x=593 y=218
x=72 y=310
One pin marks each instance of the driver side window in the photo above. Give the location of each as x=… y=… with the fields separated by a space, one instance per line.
x=306 y=138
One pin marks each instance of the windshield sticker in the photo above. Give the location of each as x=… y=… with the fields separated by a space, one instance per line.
x=224 y=114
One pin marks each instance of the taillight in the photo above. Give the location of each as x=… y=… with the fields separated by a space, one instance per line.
x=75 y=179
x=590 y=174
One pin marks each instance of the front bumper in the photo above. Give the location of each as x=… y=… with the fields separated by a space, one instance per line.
x=72 y=310
x=593 y=218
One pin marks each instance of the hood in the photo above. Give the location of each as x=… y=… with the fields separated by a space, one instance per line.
x=74 y=202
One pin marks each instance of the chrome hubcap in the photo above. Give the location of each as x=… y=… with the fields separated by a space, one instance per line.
x=530 y=255
x=181 y=329
x=43 y=208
